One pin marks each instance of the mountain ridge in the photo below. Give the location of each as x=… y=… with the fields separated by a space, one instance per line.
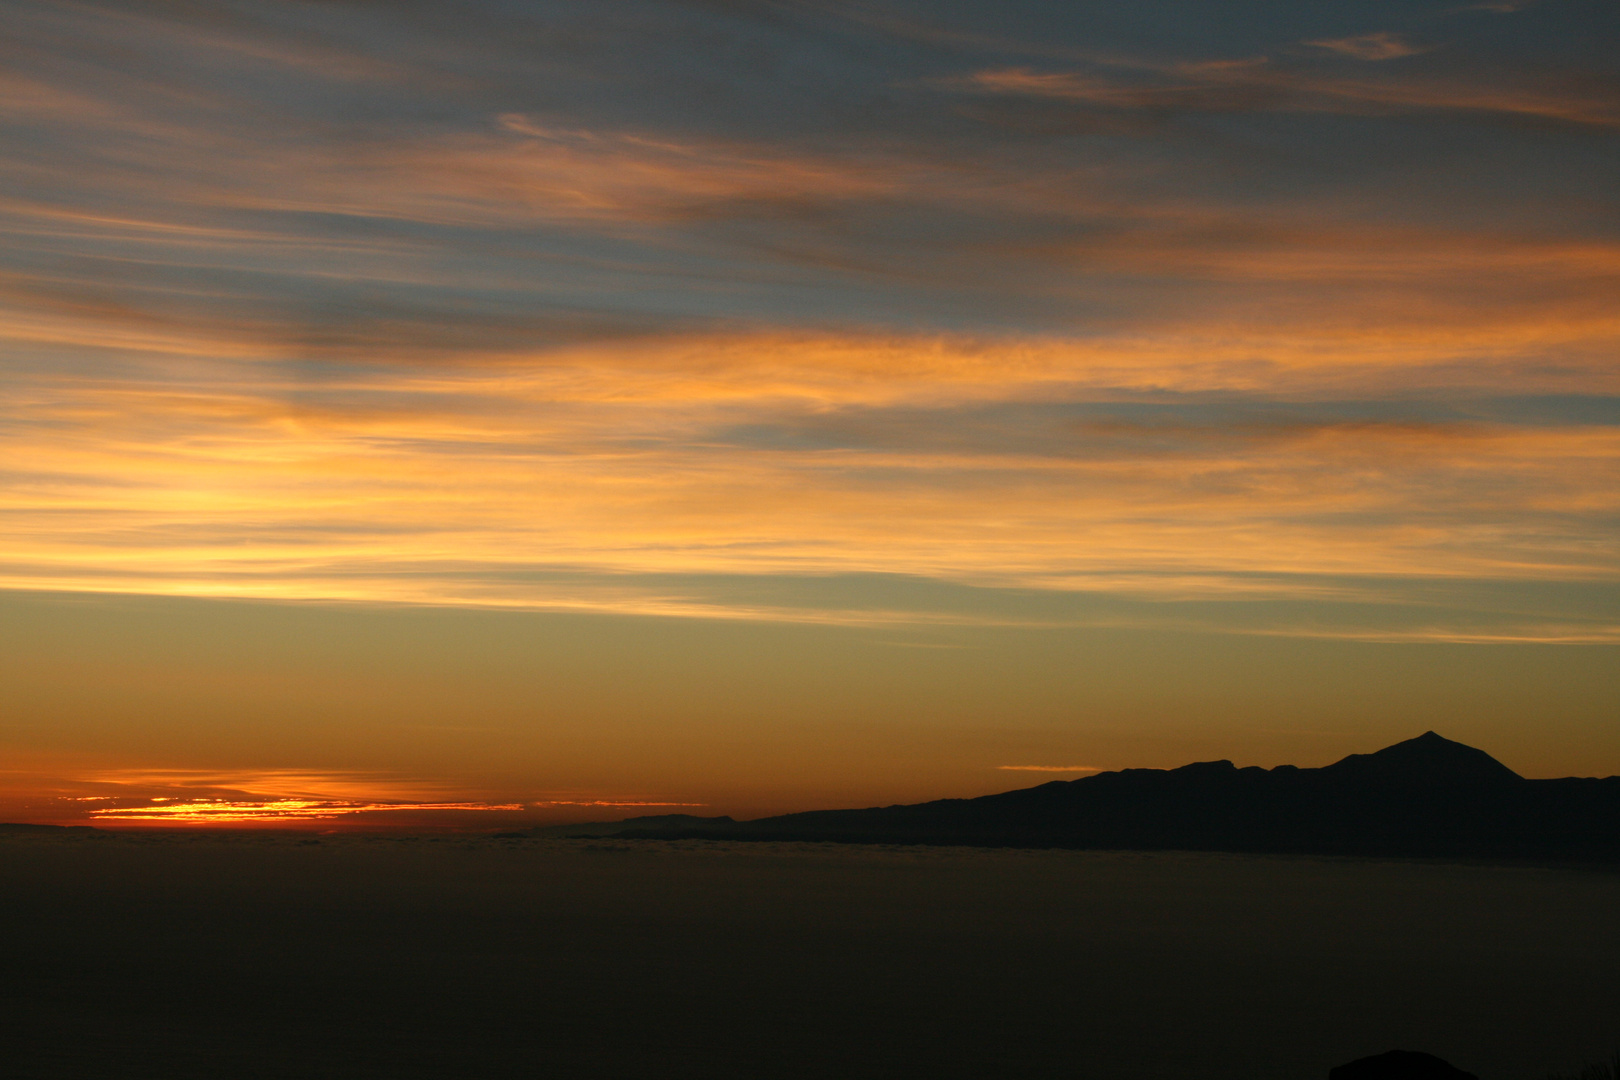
x=1427 y=796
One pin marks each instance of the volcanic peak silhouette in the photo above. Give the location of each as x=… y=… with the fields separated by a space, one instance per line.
x=1428 y=759
x=1425 y=797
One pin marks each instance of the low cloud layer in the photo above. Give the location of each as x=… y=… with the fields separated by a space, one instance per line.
x=283 y=798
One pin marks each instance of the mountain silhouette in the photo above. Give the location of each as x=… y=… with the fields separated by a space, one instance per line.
x=1427 y=760
x=1427 y=796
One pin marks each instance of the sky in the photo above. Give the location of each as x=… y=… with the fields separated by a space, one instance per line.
x=469 y=412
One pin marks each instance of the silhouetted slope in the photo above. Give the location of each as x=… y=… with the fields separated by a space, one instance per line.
x=1427 y=761
x=1425 y=796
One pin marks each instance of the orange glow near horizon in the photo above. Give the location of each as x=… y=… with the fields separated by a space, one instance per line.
x=279 y=811
x=294 y=798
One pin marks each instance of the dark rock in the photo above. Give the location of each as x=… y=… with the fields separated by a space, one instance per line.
x=1400 y=1065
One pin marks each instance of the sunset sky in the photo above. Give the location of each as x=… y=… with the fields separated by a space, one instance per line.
x=475 y=411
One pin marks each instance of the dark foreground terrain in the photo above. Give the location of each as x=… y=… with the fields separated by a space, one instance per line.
x=238 y=956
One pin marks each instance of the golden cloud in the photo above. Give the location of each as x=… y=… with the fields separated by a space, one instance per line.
x=281 y=797
x=449 y=488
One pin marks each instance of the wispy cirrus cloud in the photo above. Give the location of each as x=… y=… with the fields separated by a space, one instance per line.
x=460 y=491
x=1260 y=86
x=477 y=321
x=1382 y=45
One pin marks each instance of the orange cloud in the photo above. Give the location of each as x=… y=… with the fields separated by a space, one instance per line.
x=277 y=811
x=1380 y=46
x=453 y=489
x=274 y=785
x=279 y=797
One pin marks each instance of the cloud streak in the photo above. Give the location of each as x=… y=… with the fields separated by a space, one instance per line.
x=288 y=798
x=1050 y=768
x=484 y=323
x=563 y=485
x=1382 y=45
x=1258 y=86
x=224 y=812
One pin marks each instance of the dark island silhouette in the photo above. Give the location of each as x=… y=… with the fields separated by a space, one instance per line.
x=1424 y=797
